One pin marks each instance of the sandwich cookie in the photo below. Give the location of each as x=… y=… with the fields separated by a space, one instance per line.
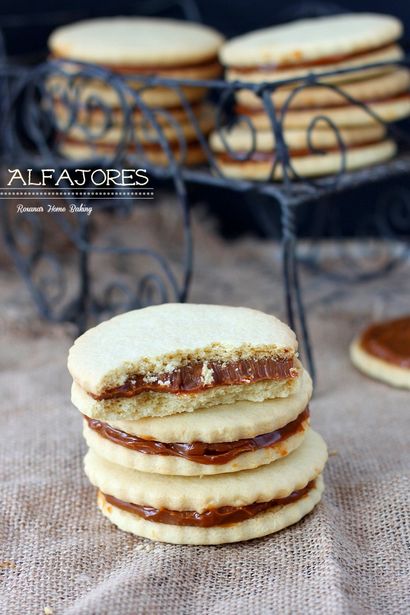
x=381 y=88
x=315 y=46
x=173 y=358
x=345 y=115
x=144 y=139
x=382 y=351
x=236 y=157
x=225 y=438
x=216 y=509
x=132 y=46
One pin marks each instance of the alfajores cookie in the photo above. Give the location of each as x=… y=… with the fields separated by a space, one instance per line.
x=175 y=358
x=216 y=509
x=346 y=115
x=144 y=140
x=311 y=46
x=392 y=85
x=132 y=46
x=315 y=153
x=382 y=351
x=225 y=438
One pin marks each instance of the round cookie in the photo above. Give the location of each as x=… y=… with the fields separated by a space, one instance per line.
x=132 y=46
x=75 y=142
x=391 y=110
x=382 y=352
x=263 y=524
x=377 y=88
x=97 y=119
x=164 y=404
x=136 y=41
x=175 y=466
x=315 y=165
x=200 y=494
x=131 y=88
x=80 y=150
x=390 y=53
x=220 y=424
x=204 y=356
x=240 y=139
x=310 y=40
x=226 y=422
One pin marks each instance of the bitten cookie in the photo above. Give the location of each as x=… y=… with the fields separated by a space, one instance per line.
x=173 y=358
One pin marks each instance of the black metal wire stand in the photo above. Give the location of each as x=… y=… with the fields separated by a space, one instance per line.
x=29 y=125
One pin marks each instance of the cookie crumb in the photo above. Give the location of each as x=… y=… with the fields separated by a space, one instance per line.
x=150 y=378
x=7 y=564
x=146 y=547
x=48 y=610
x=333 y=453
x=207 y=374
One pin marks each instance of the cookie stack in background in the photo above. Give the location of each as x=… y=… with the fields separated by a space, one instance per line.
x=315 y=46
x=133 y=46
x=197 y=422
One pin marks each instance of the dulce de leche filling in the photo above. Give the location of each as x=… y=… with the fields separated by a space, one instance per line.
x=295 y=153
x=201 y=375
x=325 y=61
x=200 y=452
x=389 y=341
x=209 y=518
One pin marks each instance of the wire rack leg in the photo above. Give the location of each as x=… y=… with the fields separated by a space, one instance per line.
x=293 y=295
x=84 y=281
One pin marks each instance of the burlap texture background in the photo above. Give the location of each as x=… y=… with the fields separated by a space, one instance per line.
x=351 y=555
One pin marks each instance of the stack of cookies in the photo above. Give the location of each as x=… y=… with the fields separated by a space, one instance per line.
x=131 y=47
x=315 y=46
x=197 y=422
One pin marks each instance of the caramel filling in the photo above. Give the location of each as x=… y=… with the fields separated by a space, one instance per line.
x=209 y=518
x=200 y=376
x=298 y=153
x=389 y=341
x=154 y=69
x=200 y=452
x=333 y=59
x=191 y=143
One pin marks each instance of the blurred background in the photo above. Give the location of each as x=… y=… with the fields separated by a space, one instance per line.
x=26 y=27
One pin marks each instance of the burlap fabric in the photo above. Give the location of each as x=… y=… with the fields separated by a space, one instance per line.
x=351 y=555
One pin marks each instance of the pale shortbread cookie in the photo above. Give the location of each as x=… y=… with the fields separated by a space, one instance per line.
x=392 y=53
x=377 y=88
x=226 y=422
x=262 y=524
x=314 y=165
x=377 y=368
x=109 y=128
x=200 y=493
x=153 y=96
x=312 y=39
x=76 y=143
x=157 y=404
x=223 y=423
x=177 y=466
x=158 y=339
x=240 y=138
x=136 y=41
x=391 y=110
x=192 y=156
